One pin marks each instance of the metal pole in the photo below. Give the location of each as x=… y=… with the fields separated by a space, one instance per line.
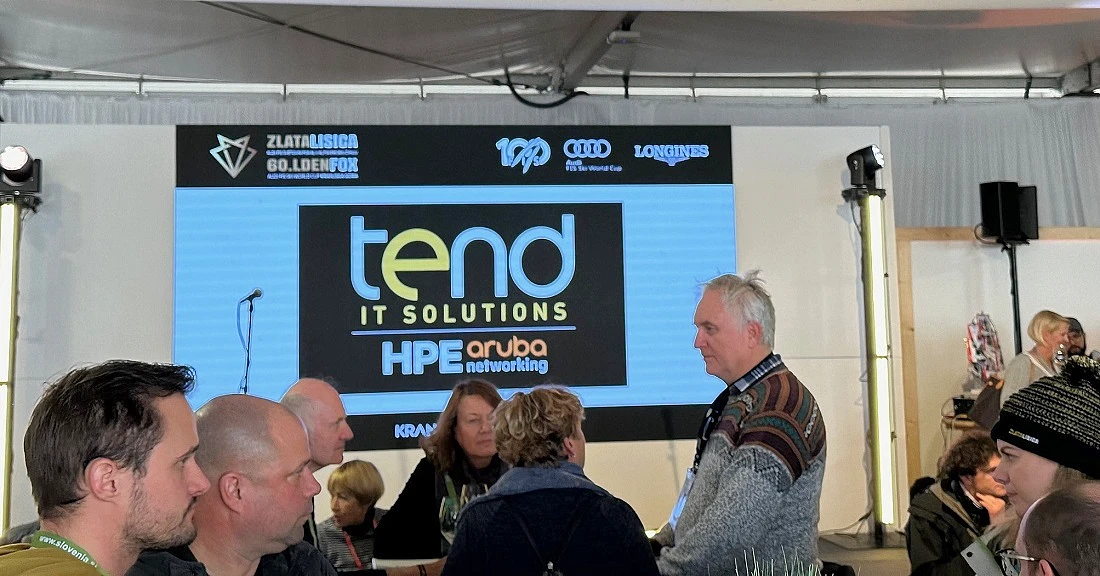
x=1011 y=249
x=248 y=349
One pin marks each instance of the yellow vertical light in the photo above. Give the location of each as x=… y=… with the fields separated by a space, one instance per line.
x=876 y=310
x=10 y=213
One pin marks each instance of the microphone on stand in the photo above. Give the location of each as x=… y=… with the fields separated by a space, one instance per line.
x=256 y=293
x=246 y=343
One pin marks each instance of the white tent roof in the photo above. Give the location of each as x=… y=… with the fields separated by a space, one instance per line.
x=702 y=42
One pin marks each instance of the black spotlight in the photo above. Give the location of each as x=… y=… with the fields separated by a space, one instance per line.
x=16 y=164
x=863 y=164
x=19 y=176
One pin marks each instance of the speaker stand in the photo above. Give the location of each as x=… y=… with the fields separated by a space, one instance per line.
x=1011 y=249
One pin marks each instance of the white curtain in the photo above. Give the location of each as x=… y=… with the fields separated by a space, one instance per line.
x=940 y=150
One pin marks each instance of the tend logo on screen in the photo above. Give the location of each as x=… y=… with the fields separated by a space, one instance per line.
x=507 y=261
x=521 y=151
x=233 y=154
x=413 y=297
x=671 y=154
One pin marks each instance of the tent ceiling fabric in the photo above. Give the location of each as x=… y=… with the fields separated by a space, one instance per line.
x=708 y=5
x=245 y=42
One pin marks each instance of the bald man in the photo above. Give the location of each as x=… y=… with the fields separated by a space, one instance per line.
x=1060 y=534
x=319 y=406
x=256 y=455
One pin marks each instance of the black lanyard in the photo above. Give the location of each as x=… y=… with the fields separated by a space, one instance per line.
x=707 y=427
x=714 y=412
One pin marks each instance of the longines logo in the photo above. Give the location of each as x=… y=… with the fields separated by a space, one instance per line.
x=671 y=154
x=233 y=154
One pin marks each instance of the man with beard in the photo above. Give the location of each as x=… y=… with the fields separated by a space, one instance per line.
x=256 y=455
x=110 y=453
x=1077 y=344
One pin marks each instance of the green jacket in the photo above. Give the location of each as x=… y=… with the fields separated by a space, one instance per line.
x=22 y=560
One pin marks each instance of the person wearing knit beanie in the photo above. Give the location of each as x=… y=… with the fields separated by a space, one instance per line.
x=1049 y=433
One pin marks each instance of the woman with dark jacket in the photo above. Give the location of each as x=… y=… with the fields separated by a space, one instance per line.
x=461 y=454
x=544 y=516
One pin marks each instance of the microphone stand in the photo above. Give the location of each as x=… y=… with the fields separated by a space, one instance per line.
x=248 y=347
x=247 y=344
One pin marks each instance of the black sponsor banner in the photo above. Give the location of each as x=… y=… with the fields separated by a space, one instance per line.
x=613 y=424
x=416 y=297
x=232 y=156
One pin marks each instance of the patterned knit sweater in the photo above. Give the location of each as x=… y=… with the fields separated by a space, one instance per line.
x=755 y=500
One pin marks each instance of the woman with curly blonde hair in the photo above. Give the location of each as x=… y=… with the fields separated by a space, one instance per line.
x=544 y=516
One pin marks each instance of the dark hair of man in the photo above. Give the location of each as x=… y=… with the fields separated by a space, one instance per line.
x=970 y=453
x=100 y=411
x=1063 y=528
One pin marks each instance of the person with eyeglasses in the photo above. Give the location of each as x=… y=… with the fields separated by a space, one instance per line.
x=1049 y=438
x=1059 y=535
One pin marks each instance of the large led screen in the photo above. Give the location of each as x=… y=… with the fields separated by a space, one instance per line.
x=395 y=261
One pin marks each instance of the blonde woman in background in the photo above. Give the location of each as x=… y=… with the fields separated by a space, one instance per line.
x=347 y=538
x=1049 y=331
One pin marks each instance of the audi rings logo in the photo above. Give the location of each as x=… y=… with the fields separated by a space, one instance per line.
x=587 y=148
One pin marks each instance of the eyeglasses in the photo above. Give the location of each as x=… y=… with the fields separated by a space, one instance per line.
x=1010 y=562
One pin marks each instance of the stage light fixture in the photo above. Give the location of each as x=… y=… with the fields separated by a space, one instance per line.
x=16 y=164
x=20 y=180
x=864 y=164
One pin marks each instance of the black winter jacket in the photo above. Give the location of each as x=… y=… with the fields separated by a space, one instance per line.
x=411 y=528
x=942 y=522
x=608 y=540
x=300 y=559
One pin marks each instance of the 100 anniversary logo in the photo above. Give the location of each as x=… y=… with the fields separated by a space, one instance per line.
x=416 y=297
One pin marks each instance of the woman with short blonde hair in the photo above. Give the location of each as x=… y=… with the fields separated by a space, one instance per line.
x=1050 y=331
x=544 y=516
x=359 y=480
x=347 y=538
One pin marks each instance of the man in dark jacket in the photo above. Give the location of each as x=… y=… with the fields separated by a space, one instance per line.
x=954 y=511
x=256 y=455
